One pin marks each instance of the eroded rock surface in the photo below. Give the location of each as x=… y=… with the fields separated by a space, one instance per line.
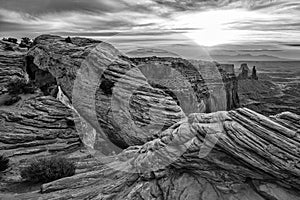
x=11 y=67
x=38 y=125
x=255 y=158
x=117 y=95
x=35 y=125
x=169 y=151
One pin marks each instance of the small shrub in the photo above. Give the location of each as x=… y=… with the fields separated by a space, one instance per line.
x=19 y=86
x=4 y=163
x=48 y=169
x=25 y=42
x=107 y=86
x=29 y=88
x=12 y=100
x=12 y=40
x=8 y=48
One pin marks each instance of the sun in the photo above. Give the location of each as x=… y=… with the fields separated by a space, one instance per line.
x=210 y=28
x=211 y=36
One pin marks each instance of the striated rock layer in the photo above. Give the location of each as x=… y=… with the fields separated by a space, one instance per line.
x=147 y=107
x=119 y=96
x=31 y=124
x=11 y=67
x=255 y=158
x=37 y=126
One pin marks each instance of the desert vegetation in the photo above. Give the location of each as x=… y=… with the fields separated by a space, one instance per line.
x=4 y=163
x=12 y=40
x=20 y=86
x=17 y=87
x=25 y=42
x=45 y=170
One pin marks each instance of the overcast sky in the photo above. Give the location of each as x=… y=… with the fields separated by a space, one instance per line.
x=257 y=27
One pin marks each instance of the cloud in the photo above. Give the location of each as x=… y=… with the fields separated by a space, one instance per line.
x=73 y=21
x=158 y=7
x=208 y=22
x=292 y=45
x=37 y=7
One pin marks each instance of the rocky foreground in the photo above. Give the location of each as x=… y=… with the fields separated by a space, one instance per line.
x=177 y=133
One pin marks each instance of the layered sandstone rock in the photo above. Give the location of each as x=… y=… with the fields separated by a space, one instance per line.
x=11 y=47
x=11 y=67
x=255 y=157
x=173 y=153
x=37 y=126
x=122 y=97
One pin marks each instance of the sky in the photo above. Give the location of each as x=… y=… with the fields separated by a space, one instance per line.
x=184 y=27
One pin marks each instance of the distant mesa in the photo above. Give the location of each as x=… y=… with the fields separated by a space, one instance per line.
x=247 y=57
x=149 y=52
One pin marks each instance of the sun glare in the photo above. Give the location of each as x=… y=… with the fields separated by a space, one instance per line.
x=212 y=28
x=212 y=36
